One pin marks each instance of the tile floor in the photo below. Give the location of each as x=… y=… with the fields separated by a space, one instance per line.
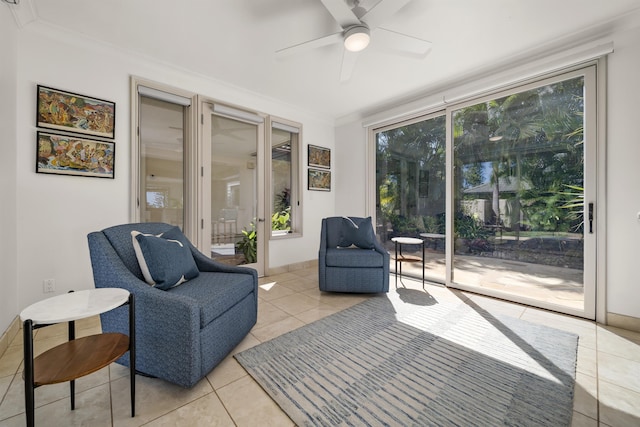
x=607 y=391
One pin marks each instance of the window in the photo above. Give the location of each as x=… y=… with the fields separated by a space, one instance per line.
x=285 y=178
x=161 y=161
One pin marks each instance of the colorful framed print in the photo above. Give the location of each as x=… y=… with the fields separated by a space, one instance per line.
x=319 y=180
x=74 y=155
x=319 y=157
x=71 y=112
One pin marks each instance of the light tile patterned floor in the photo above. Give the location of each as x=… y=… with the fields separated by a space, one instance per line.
x=607 y=389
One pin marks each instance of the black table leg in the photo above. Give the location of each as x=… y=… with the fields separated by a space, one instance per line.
x=423 y=245
x=132 y=352
x=396 y=258
x=29 y=389
x=72 y=383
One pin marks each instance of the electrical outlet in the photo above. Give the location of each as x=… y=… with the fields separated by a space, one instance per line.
x=48 y=285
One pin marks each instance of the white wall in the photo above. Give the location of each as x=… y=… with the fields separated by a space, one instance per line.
x=623 y=157
x=623 y=176
x=57 y=212
x=8 y=270
x=350 y=164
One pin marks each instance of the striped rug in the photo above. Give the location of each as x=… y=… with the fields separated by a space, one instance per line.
x=403 y=360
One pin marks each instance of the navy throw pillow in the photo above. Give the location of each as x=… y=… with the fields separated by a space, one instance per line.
x=165 y=262
x=357 y=231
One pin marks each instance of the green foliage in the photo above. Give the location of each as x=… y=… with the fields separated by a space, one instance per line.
x=469 y=227
x=281 y=220
x=472 y=174
x=432 y=225
x=402 y=224
x=410 y=162
x=388 y=193
x=574 y=202
x=534 y=137
x=543 y=211
x=249 y=244
x=537 y=136
x=282 y=201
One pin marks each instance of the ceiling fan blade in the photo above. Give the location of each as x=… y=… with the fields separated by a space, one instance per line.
x=348 y=64
x=341 y=12
x=382 y=11
x=311 y=44
x=401 y=43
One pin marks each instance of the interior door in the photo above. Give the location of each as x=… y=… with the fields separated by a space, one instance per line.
x=233 y=201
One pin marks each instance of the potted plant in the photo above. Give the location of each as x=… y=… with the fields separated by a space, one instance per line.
x=248 y=244
x=281 y=222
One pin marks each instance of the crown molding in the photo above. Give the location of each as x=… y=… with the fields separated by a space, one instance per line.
x=24 y=12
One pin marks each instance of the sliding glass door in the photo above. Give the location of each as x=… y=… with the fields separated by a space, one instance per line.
x=518 y=222
x=411 y=191
x=520 y=181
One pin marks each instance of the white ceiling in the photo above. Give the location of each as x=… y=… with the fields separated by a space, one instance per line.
x=234 y=41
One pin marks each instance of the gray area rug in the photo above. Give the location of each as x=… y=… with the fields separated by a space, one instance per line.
x=404 y=359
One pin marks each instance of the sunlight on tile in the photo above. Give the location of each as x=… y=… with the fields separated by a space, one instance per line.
x=268 y=286
x=585 y=400
x=618 y=405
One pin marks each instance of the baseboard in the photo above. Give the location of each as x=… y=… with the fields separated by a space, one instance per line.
x=292 y=267
x=9 y=335
x=623 y=322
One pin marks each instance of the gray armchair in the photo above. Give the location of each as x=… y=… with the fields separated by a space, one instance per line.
x=350 y=258
x=183 y=332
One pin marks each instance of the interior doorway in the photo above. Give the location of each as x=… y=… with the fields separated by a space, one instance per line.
x=233 y=199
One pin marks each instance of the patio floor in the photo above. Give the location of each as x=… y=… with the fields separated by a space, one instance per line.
x=557 y=285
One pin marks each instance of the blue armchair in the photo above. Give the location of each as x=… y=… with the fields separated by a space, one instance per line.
x=183 y=332
x=351 y=259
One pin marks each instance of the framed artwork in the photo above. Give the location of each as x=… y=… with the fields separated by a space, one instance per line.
x=74 y=155
x=319 y=157
x=319 y=180
x=71 y=112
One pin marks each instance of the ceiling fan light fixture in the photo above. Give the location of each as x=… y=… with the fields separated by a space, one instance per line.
x=356 y=38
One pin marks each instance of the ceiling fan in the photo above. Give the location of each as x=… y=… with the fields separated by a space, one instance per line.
x=359 y=26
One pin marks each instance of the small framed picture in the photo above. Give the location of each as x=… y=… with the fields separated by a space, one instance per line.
x=319 y=180
x=71 y=112
x=74 y=155
x=319 y=157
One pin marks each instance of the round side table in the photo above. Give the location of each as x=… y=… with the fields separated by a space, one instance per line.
x=401 y=258
x=76 y=357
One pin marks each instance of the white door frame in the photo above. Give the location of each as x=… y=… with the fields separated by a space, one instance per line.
x=595 y=178
x=204 y=185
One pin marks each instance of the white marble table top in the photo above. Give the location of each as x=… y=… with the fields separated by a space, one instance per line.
x=407 y=240
x=74 y=305
x=433 y=235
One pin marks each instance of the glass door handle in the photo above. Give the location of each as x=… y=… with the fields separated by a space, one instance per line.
x=260 y=219
x=590 y=218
